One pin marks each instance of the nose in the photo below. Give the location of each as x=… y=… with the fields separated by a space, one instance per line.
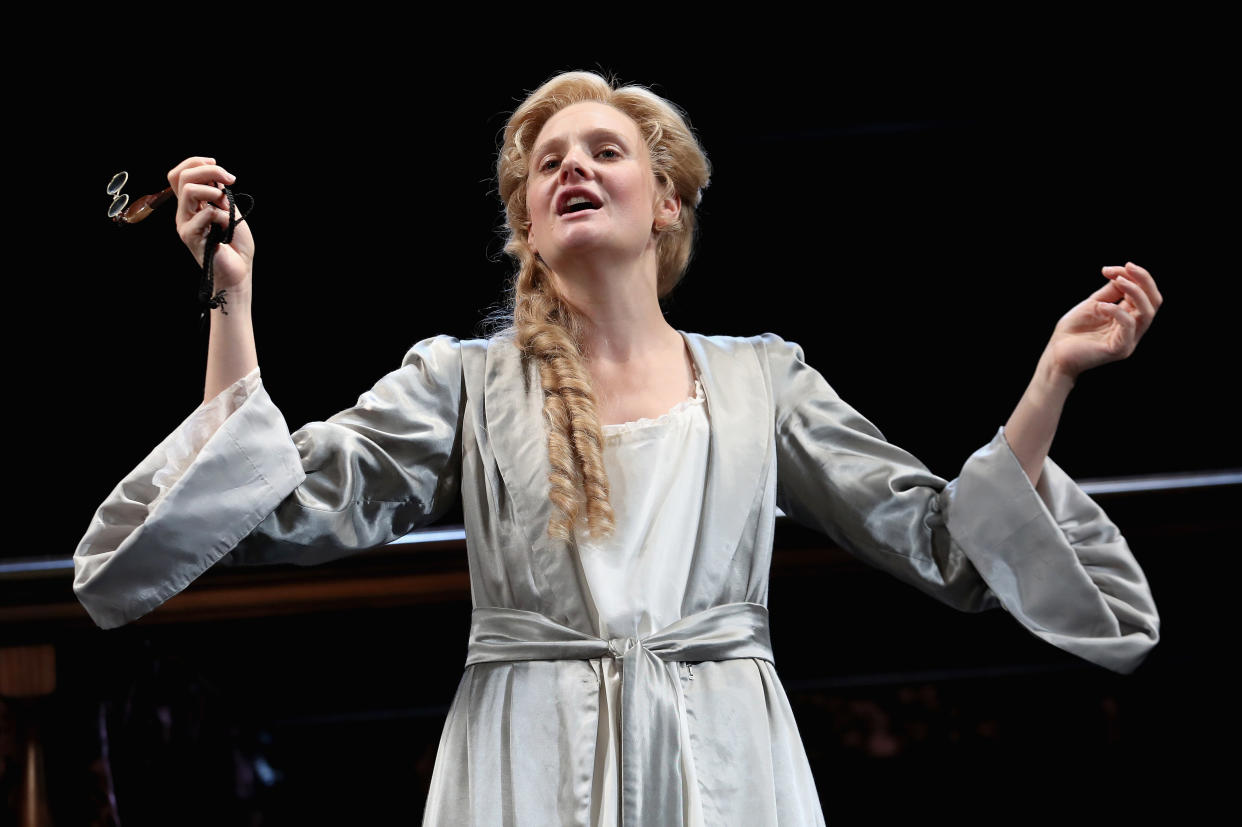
x=574 y=165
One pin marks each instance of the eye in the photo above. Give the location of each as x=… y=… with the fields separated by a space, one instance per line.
x=609 y=153
x=549 y=164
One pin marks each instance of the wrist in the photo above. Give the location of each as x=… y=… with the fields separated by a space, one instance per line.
x=237 y=297
x=1052 y=377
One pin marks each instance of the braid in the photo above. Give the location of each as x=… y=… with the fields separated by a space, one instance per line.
x=544 y=326
x=548 y=331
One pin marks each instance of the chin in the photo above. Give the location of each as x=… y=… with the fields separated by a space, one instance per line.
x=581 y=244
x=587 y=241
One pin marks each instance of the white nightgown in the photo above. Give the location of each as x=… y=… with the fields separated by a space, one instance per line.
x=657 y=471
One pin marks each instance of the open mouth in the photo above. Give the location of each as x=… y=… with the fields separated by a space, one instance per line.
x=578 y=203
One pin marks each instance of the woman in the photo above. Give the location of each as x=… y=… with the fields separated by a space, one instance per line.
x=619 y=481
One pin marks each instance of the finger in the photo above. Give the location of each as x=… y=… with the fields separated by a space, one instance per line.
x=193 y=198
x=198 y=195
x=1138 y=299
x=1144 y=279
x=1110 y=292
x=205 y=174
x=1139 y=276
x=194 y=230
x=193 y=161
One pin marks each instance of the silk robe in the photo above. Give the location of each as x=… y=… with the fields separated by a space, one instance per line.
x=465 y=418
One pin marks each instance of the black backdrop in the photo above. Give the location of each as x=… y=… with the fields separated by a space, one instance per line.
x=917 y=220
x=917 y=216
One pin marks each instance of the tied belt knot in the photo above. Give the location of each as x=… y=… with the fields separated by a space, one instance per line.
x=651 y=775
x=618 y=646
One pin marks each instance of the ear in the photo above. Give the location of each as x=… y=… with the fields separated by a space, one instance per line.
x=667 y=209
x=530 y=239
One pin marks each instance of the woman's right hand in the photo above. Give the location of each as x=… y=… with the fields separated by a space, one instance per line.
x=196 y=182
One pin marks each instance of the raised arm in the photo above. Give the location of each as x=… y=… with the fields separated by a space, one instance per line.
x=232 y=485
x=1104 y=327
x=1048 y=554
x=200 y=203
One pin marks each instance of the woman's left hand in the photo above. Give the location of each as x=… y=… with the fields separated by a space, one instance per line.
x=1108 y=324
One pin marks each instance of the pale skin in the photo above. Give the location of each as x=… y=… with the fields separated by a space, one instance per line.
x=604 y=262
x=230 y=349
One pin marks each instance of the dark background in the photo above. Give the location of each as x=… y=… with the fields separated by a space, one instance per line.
x=918 y=223
x=917 y=212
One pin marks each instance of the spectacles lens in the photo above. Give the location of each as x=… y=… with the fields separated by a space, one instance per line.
x=117 y=183
x=119 y=203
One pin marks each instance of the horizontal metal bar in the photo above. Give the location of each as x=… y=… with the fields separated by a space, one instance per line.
x=1160 y=482
x=27 y=564
x=432 y=535
x=445 y=534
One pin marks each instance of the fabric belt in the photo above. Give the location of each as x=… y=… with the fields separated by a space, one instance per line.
x=651 y=776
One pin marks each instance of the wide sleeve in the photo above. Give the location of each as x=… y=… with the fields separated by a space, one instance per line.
x=232 y=485
x=1050 y=556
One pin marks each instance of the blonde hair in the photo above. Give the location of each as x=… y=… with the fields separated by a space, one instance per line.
x=545 y=327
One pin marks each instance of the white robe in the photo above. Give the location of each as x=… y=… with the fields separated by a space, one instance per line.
x=519 y=745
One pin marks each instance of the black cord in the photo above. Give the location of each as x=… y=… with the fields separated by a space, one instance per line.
x=215 y=238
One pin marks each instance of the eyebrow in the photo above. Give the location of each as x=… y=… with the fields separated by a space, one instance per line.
x=592 y=135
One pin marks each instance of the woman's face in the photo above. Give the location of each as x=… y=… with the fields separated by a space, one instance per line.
x=590 y=190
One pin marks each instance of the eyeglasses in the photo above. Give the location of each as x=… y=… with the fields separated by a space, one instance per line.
x=122 y=212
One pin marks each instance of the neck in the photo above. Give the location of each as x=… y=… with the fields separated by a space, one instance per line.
x=623 y=320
